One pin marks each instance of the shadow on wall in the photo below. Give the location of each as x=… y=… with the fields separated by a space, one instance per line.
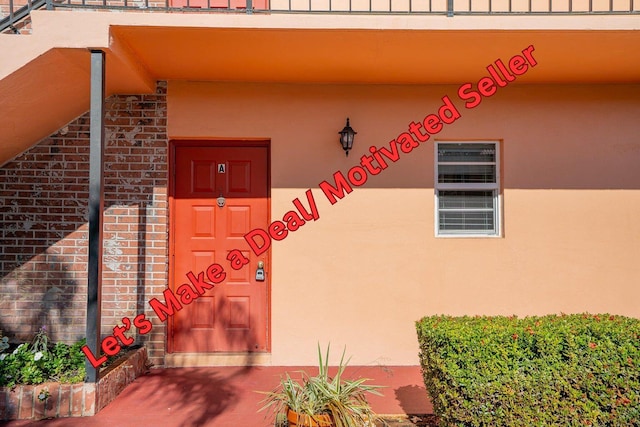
x=414 y=399
x=49 y=288
x=43 y=222
x=43 y=292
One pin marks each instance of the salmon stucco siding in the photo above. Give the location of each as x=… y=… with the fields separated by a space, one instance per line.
x=371 y=263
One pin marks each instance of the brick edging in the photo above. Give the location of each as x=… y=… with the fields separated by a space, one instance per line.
x=112 y=384
x=70 y=400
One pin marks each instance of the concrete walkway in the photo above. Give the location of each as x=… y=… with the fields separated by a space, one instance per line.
x=226 y=397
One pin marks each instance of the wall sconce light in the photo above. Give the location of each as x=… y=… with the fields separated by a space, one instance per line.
x=347 y=135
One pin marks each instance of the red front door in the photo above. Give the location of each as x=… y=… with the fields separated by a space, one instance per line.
x=231 y=317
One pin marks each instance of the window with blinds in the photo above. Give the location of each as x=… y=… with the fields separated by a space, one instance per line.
x=467 y=188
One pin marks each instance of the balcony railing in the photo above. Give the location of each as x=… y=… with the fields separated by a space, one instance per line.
x=14 y=11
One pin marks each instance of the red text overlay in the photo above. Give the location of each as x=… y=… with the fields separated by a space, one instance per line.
x=471 y=94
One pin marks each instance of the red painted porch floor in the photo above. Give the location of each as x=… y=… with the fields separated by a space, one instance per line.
x=226 y=397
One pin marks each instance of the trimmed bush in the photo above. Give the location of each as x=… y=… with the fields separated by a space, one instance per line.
x=567 y=370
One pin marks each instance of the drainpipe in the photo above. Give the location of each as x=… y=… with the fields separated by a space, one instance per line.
x=96 y=206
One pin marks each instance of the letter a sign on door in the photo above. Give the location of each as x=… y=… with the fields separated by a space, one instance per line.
x=221 y=168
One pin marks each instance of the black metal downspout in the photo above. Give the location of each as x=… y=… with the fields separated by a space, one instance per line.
x=96 y=205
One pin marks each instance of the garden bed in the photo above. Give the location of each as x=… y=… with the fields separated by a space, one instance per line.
x=56 y=400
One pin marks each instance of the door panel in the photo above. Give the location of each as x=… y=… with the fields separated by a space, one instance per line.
x=231 y=317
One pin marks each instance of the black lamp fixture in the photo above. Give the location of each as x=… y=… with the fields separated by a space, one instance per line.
x=347 y=134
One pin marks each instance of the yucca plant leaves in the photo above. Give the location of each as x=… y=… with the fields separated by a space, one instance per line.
x=344 y=400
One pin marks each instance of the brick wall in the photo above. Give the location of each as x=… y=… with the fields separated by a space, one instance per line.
x=43 y=229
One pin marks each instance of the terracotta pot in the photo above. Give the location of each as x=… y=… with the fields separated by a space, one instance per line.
x=303 y=420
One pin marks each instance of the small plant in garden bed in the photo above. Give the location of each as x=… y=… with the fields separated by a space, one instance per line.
x=40 y=361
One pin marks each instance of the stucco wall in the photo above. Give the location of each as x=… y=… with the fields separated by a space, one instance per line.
x=370 y=265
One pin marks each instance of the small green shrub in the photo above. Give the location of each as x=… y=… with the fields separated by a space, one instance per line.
x=40 y=361
x=567 y=370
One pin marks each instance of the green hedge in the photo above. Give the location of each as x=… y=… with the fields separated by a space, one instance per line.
x=567 y=370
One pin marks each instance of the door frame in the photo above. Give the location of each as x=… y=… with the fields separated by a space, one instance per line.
x=213 y=143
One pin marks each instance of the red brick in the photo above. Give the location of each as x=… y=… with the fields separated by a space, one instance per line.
x=38 y=405
x=77 y=398
x=3 y=403
x=89 y=400
x=13 y=403
x=65 y=400
x=52 y=403
x=51 y=182
x=26 y=401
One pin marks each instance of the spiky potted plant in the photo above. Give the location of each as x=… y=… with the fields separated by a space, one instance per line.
x=323 y=400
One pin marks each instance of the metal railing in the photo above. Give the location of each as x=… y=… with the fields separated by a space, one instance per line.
x=12 y=13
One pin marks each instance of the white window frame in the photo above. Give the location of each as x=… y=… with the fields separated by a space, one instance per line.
x=495 y=187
